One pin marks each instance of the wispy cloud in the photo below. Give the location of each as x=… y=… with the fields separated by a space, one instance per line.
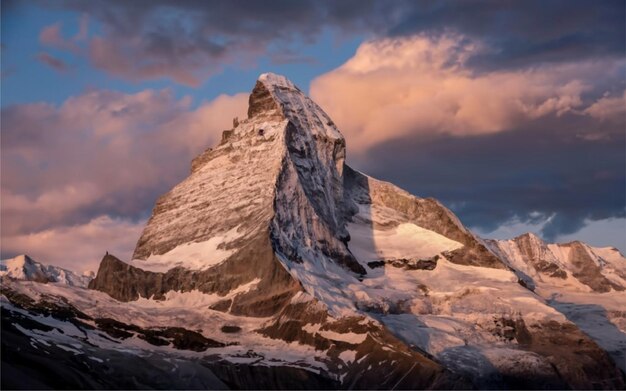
x=608 y=107
x=51 y=36
x=77 y=247
x=53 y=62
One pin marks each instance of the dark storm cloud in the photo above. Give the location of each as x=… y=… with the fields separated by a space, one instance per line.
x=551 y=167
x=190 y=40
x=523 y=33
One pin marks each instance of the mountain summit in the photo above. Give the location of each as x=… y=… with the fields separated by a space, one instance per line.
x=276 y=265
x=287 y=157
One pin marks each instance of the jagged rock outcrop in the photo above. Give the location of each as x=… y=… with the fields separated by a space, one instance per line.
x=254 y=261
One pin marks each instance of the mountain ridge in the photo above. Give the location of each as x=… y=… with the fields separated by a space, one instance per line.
x=23 y=267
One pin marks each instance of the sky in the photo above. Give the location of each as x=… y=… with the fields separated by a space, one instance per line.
x=513 y=114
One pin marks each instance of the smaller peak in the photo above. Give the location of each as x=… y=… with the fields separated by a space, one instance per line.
x=573 y=243
x=21 y=259
x=272 y=79
x=108 y=255
x=271 y=94
x=530 y=236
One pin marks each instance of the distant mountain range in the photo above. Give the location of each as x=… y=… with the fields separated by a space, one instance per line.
x=24 y=267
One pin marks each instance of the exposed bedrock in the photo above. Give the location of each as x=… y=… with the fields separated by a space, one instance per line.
x=255 y=260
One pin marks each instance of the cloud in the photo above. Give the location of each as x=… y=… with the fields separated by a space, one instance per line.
x=79 y=247
x=83 y=29
x=515 y=227
x=608 y=107
x=422 y=84
x=539 y=147
x=522 y=34
x=598 y=233
x=527 y=173
x=53 y=62
x=601 y=233
x=51 y=36
x=102 y=153
x=191 y=41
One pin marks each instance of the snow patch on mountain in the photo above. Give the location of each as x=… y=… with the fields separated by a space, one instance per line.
x=348 y=337
x=406 y=240
x=191 y=255
x=194 y=298
x=172 y=312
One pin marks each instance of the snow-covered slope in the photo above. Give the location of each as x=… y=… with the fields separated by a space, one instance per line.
x=274 y=253
x=24 y=267
x=573 y=266
x=587 y=284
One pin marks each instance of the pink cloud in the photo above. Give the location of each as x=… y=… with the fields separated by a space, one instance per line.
x=78 y=247
x=396 y=87
x=103 y=153
x=608 y=107
x=51 y=36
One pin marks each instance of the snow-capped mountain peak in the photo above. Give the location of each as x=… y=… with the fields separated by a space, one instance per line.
x=23 y=267
x=574 y=264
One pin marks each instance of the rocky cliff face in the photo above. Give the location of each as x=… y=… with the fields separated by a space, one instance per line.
x=382 y=205
x=254 y=266
x=276 y=259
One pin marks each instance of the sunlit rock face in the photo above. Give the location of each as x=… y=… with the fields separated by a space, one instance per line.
x=287 y=158
x=276 y=265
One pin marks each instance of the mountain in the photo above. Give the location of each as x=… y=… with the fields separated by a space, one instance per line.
x=276 y=265
x=575 y=265
x=587 y=284
x=24 y=267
